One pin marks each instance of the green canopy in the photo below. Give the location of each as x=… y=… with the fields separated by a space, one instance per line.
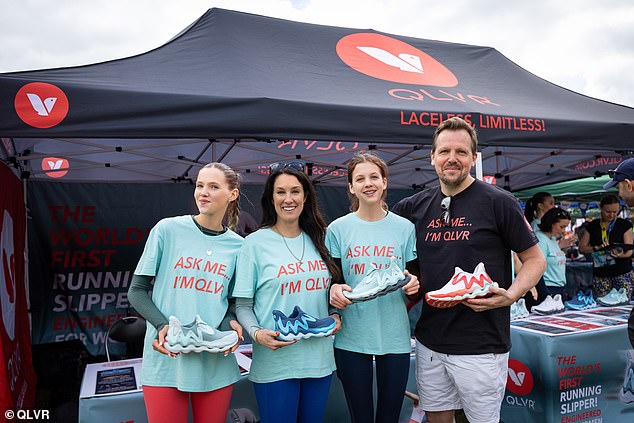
x=586 y=189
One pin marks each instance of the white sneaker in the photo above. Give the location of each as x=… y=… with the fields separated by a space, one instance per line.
x=558 y=303
x=461 y=286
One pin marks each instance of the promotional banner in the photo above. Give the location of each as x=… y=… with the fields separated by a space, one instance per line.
x=17 y=379
x=572 y=367
x=84 y=242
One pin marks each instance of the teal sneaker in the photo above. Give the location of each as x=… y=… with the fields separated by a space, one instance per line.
x=378 y=282
x=614 y=298
x=197 y=336
x=518 y=310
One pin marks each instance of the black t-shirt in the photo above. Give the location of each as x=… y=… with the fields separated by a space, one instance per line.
x=486 y=224
x=621 y=265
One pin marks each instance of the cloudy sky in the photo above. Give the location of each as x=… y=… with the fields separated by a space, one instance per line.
x=583 y=45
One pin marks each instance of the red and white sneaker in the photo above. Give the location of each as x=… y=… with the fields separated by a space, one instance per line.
x=461 y=286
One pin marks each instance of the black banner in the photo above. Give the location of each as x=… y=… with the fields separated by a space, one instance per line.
x=84 y=242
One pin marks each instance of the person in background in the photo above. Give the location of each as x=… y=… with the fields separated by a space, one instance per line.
x=536 y=206
x=282 y=265
x=552 y=227
x=171 y=380
x=612 y=268
x=623 y=178
x=534 y=210
x=376 y=330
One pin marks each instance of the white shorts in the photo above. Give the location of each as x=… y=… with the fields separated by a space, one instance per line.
x=473 y=383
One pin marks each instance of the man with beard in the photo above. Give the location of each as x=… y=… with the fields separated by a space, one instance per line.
x=462 y=351
x=623 y=177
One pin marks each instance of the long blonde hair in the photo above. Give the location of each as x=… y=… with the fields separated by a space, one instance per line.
x=233 y=180
x=362 y=157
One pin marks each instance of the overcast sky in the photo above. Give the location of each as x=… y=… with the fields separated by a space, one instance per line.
x=583 y=45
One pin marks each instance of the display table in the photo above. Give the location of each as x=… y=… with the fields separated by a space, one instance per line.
x=569 y=367
x=124 y=402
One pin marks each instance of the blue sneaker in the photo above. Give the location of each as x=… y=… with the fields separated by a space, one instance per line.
x=583 y=301
x=300 y=325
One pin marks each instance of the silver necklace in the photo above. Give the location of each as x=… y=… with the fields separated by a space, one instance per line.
x=301 y=258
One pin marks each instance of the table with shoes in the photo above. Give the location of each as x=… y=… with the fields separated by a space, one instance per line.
x=571 y=366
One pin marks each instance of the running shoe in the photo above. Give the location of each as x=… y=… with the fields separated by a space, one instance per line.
x=614 y=298
x=197 y=336
x=518 y=309
x=550 y=305
x=627 y=391
x=583 y=301
x=378 y=282
x=461 y=286
x=300 y=325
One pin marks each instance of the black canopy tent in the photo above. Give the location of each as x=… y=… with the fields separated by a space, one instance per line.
x=232 y=80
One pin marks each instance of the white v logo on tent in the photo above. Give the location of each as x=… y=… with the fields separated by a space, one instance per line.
x=517 y=378
x=43 y=108
x=55 y=165
x=404 y=61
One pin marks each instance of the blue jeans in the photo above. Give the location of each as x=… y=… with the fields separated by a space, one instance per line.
x=357 y=376
x=293 y=400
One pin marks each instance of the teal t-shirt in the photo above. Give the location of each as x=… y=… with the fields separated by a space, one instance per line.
x=193 y=274
x=276 y=280
x=555 y=274
x=535 y=224
x=379 y=326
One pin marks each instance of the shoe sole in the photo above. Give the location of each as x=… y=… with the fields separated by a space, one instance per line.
x=297 y=337
x=523 y=316
x=450 y=300
x=576 y=307
x=380 y=292
x=178 y=348
x=549 y=312
x=605 y=304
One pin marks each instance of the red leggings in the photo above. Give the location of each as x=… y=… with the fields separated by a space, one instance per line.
x=169 y=405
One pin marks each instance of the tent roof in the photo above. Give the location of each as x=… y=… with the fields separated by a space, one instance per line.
x=584 y=189
x=232 y=79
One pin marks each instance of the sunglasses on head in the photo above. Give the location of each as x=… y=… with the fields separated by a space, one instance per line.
x=446 y=214
x=296 y=165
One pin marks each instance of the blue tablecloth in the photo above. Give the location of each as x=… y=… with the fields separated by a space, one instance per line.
x=130 y=406
x=569 y=367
